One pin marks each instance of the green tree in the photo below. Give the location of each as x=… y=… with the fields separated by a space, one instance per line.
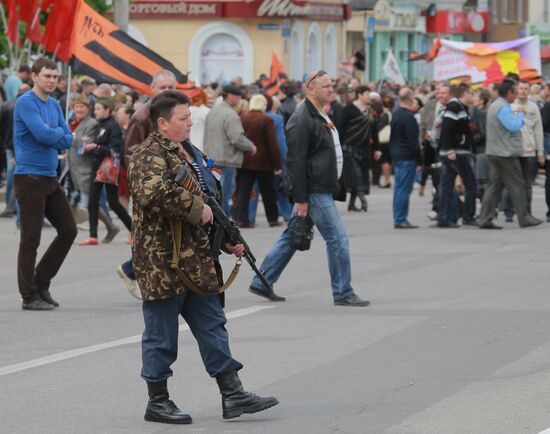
x=100 y=5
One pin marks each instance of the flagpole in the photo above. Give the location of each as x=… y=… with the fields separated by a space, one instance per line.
x=69 y=77
x=10 y=45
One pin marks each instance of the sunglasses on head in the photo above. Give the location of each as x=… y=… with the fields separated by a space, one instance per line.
x=318 y=74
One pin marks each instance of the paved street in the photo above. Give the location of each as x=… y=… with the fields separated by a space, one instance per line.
x=456 y=341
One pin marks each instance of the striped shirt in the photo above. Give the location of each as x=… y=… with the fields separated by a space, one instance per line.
x=202 y=182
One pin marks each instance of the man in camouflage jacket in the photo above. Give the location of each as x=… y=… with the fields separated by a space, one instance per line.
x=159 y=202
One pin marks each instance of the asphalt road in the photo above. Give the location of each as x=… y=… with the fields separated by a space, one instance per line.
x=456 y=341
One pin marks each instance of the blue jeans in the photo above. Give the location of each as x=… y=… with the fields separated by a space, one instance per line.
x=404 y=172
x=128 y=268
x=326 y=218
x=284 y=205
x=228 y=183
x=206 y=320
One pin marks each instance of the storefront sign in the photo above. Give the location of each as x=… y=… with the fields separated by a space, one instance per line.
x=241 y=9
x=388 y=19
x=175 y=9
x=407 y=20
x=453 y=22
x=287 y=9
x=477 y=22
x=382 y=14
x=448 y=22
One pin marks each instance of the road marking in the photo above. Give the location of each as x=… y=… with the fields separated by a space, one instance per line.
x=65 y=355
x=546 y=431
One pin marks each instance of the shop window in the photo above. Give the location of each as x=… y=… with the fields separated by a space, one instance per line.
x=313 y=54
x=297 y=51
x=331 y=51
x=221 y=51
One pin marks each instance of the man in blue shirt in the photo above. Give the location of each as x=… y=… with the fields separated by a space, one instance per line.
x=39 y=135
x=504 y=147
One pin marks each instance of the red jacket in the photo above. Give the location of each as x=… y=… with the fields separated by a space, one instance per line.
x=260 y=129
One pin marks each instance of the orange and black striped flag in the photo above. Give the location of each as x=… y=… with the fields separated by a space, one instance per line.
x=104 y=52
x=277 y=77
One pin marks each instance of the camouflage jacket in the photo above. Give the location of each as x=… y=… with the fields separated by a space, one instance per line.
x=157 y=198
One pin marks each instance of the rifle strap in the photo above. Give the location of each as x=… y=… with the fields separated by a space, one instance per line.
x=175 y=226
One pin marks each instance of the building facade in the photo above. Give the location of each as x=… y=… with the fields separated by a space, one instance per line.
x=221 y=40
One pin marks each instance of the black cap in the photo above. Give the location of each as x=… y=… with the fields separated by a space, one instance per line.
x=232 y=89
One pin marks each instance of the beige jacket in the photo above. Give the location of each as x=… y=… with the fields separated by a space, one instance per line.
x=224 y=139
x=532 y=135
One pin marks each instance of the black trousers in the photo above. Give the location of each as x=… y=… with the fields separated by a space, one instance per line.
x=114 y=204
x=245 y=181
x=39 y=197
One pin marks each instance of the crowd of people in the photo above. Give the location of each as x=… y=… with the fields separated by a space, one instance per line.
x=242 y=130
x=77 y=151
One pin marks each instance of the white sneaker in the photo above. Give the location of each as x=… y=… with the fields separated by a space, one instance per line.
x=432 y=215
x=131 y=285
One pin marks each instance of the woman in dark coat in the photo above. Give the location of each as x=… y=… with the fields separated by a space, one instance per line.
x=263 y=165
x=358 y=135
x=108 y=142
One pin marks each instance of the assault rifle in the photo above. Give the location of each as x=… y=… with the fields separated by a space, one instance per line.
x=224 y=224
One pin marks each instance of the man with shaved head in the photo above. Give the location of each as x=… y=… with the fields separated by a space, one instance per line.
x=314 y=166
x=405 y=155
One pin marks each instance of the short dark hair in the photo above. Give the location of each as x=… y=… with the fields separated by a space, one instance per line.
x=484 y=96
x=512 y=76
x=361 y=89
x=162 y=106
x=24 y=68
x=460 y=90
x=505 y=87
x=43 y=62
x=524 y=82
x=289 y=88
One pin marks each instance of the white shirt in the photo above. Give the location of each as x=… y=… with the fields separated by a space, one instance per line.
x=337 y=145
x=198 y=117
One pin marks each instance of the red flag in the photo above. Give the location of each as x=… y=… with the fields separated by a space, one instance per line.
x=57 y=35
x=45 y=5
x=28 y=13
x=13 y=28
x=277 y=77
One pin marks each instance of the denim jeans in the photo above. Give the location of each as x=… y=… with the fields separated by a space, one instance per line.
x=405 y=173
x=284 y=205
x=228 y=183
x=449 y=171
x=326 y=218
x=206 y=320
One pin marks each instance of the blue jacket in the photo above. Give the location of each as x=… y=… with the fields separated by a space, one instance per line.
x=39 y=134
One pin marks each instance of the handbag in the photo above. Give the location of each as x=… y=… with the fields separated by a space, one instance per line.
x=385 y=132
x=108 y=170
x=300 y=232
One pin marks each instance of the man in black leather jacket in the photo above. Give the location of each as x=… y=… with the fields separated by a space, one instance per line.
x=314 y=166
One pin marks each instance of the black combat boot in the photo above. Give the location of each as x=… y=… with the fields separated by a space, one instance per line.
x=236 y=401
x=161 y=409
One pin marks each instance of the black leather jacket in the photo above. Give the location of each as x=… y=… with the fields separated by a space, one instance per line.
x=311 y=155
